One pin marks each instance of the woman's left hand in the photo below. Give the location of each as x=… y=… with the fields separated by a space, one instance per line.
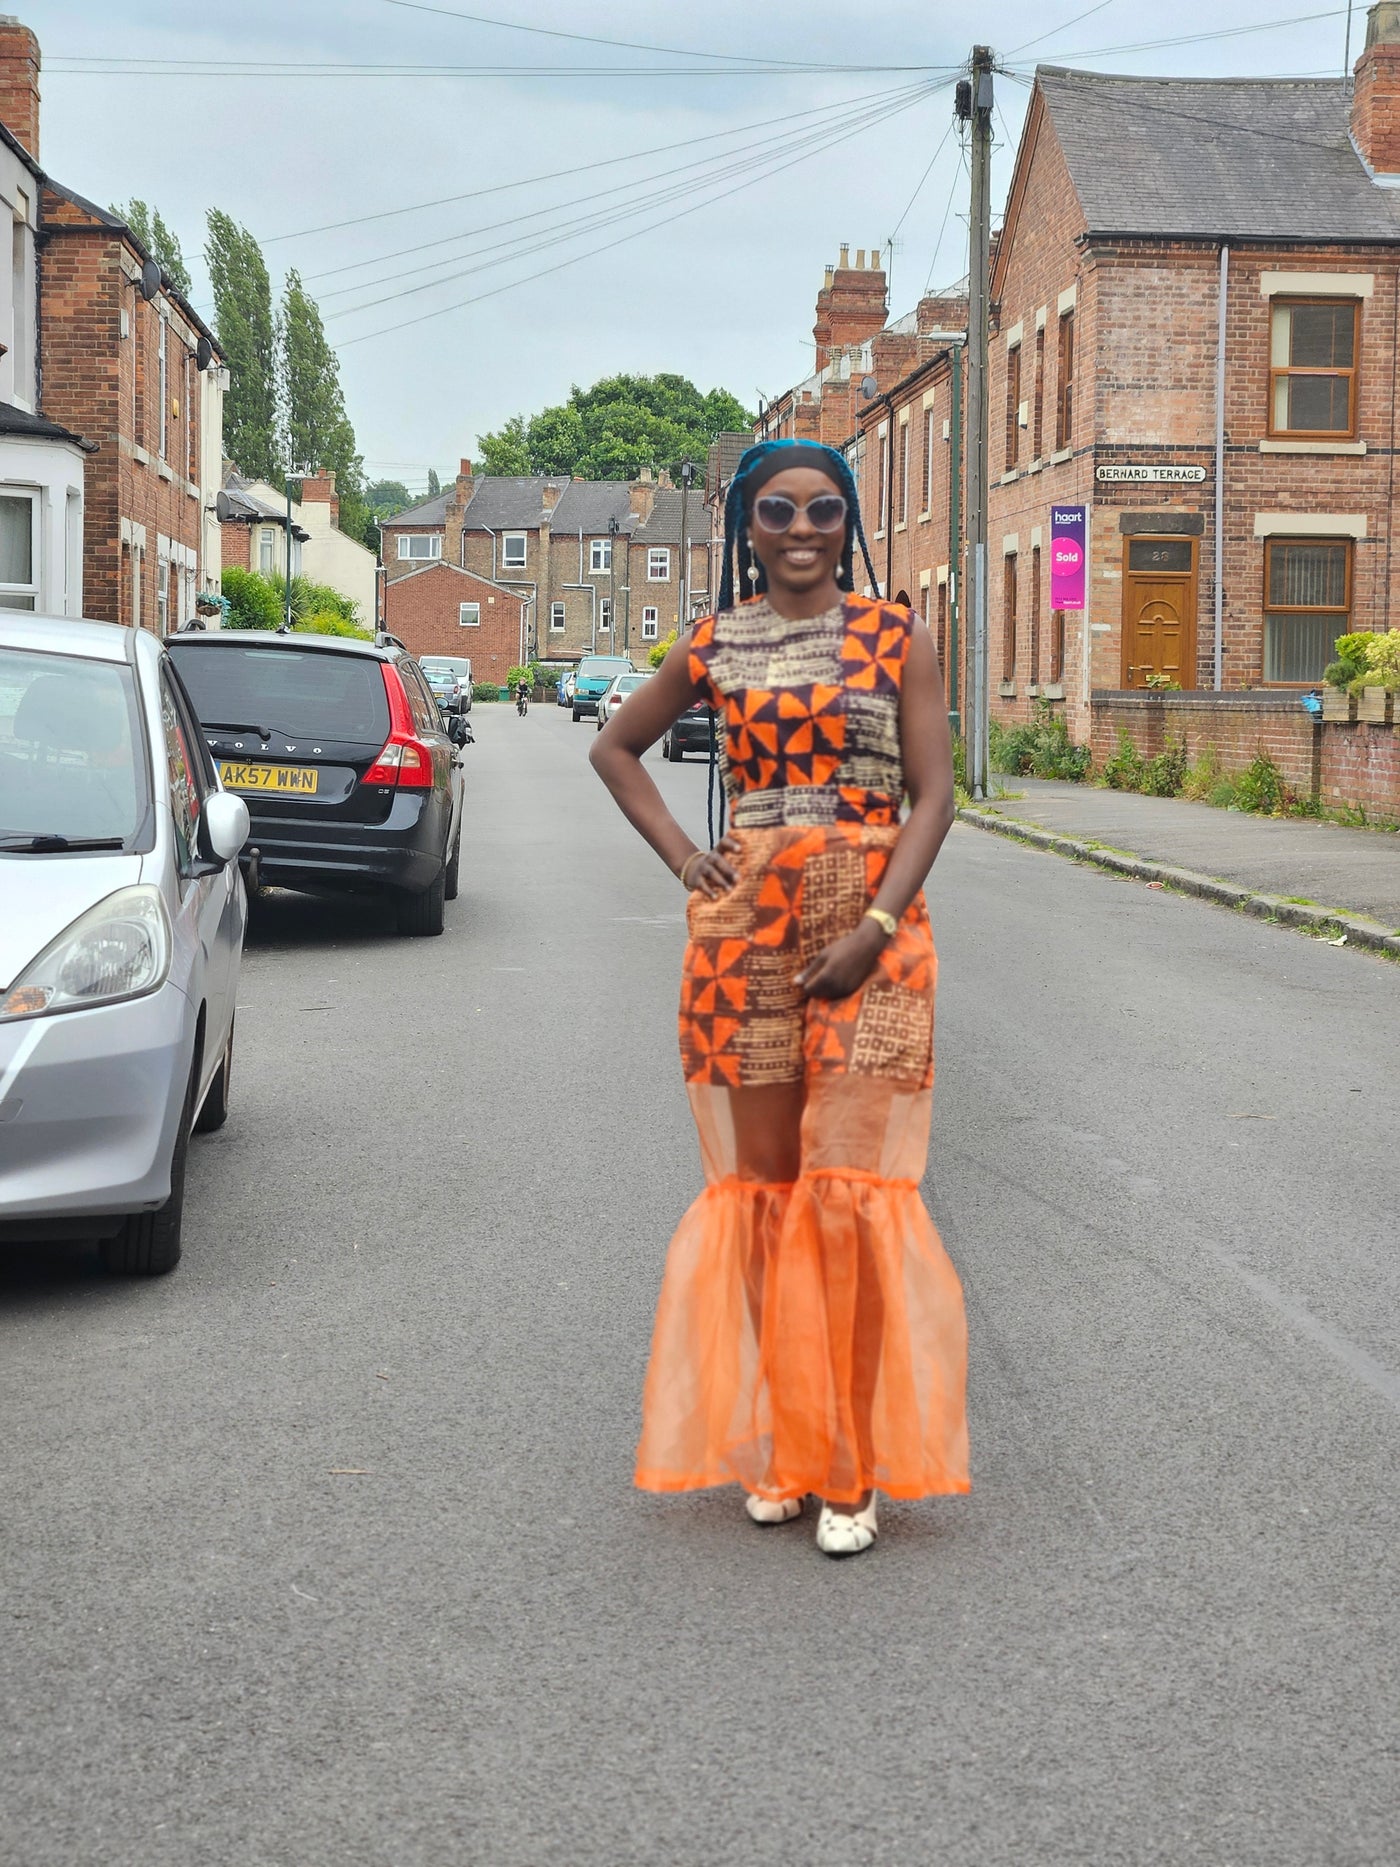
x=845 y=965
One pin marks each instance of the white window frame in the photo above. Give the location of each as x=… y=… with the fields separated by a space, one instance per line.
x=267 y=550
x=651 y=623
x=433 y=540
x=600 y=554
x=509 y=560
x=903 y=519
x=162 y=594
x=605 y=615
x=882 y=497
x=930 y=435
x=469 y=615
x=658 y=554
x=30 y=589
x=557 y=616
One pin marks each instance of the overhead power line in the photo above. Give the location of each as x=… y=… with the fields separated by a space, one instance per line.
x=761 y=173
x=576 y=168
x=82 y=66
x=1055 y=31
x=830 y=119
x=578 y=38
x=1200 y=38
x=811 y=141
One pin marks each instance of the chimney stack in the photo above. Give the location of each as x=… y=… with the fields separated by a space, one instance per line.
x=851 y=306
x=19 y=83
x=319 y=489
x=1375 y=101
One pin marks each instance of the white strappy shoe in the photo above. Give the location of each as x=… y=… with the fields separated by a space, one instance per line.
x=842 y=1533
x=767 y=1510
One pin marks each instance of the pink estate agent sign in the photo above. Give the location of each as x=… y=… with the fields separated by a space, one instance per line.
x=1068 y=552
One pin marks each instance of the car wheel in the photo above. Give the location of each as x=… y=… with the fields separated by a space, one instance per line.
x=673 y=749
x=148 y=1243
x=423 y=914
x=213 y=1111
x=577 y=716
x=454 y=870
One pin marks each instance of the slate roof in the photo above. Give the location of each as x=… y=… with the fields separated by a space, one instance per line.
x=587 y=505
x=512 y=504
x=426 y=515
x=664 y=525
x=245 y=507
x=21 y=425
x=1256 y=158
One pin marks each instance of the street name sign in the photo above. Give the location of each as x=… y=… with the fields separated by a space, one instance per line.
x=1144 y=475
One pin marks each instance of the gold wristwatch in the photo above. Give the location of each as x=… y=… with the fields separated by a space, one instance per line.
x=886 y=922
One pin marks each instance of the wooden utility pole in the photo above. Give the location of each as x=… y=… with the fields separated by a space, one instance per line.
x=975 y=105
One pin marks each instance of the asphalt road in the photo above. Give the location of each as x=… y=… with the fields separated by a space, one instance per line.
x=322 y=1551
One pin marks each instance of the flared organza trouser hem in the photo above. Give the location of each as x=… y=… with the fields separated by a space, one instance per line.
x=810 y=1334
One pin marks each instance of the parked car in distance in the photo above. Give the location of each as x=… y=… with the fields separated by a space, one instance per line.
x=461 y=666
x=564 y=693
x=447 y=688
x=591 y=680
x=616 y=692
x=690 y=733
x=350 y=771
x=120 y=938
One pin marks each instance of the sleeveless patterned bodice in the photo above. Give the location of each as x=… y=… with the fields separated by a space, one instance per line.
x=810 y=710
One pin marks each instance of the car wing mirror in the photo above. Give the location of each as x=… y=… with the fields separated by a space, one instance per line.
x=224 y=825
x=459 y=732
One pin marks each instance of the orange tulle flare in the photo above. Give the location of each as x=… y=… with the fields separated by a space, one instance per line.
x=810 y=1335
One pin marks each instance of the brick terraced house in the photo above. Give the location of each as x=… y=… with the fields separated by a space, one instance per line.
x=596 y=562
x=1196 y=296
x=125 y=368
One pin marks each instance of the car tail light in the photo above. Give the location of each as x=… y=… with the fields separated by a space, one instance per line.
x=404 y=760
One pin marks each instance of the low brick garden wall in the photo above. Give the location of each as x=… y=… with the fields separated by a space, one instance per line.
x=1342 y=764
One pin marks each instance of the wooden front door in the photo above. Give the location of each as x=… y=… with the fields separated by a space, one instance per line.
x=1159 y=610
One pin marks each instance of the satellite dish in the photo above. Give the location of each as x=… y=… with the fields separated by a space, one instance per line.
x=223 y=507
x=203 y=354
x=150 y=279
x=869 y=388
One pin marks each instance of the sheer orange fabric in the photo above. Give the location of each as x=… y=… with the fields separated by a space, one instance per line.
x=810 y=1332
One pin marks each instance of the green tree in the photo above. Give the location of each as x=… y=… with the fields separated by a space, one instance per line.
x=318 y=430
x=244 y=324
x=386 y=497
x=434 y=483
x=163 y=246
x=615 y=429
x=507 y=451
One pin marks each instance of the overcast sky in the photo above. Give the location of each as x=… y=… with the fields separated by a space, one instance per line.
x=723 y=294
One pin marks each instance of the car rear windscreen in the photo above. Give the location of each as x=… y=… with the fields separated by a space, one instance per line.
x=602 y=667
x=304 y=692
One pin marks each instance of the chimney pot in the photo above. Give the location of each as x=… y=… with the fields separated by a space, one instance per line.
x=845 y=260
x=466 y=470
x=828 y=281
x=860 y=259
x=874 y=259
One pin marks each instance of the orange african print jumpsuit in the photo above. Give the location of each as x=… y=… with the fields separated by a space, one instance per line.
x=810 y=1334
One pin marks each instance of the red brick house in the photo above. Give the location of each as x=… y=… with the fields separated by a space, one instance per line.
x=597 y=563
x=1195 y=294
x=125 y=363
x=440 y=609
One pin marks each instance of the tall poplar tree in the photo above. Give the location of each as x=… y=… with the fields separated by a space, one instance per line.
x=318 y=430
x=244 y=324
x=163 y=246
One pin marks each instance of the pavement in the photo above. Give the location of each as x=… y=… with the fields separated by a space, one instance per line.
x=1309 y=873
x=322 y=1552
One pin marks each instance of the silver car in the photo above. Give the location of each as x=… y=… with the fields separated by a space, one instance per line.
x=120 y=938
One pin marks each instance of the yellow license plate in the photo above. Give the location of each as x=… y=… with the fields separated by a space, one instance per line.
x=296 y=780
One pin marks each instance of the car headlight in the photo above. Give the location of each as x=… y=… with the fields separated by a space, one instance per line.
x=119 y=949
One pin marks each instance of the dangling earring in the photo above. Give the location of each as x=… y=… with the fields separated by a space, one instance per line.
x=753 y=572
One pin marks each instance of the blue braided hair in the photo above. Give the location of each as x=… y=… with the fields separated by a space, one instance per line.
x=760 y=462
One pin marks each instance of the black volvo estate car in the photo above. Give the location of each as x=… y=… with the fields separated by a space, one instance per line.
x=350 y=773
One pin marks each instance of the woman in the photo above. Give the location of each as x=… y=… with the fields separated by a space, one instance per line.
x=810 y=1335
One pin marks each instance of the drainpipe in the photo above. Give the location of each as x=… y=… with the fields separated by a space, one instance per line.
x=1220 y=468
x=954 y=538
x=492 y=536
